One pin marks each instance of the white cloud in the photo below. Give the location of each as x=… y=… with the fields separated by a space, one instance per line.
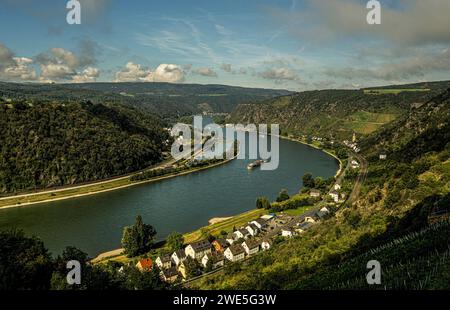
x=56 y=72
x=222 y=30
x=21 y=70
x=131 y=73
x=90 y=74
x=164 y=73
x=168 y=73
x=414 y=22
x=205 y=72
x=58 y=64
x=15 y=68
x=226 y=67
x=6 y=57
x=279 y=74
x=417 y=66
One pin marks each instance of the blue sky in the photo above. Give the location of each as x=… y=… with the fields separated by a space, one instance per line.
x=298 y=45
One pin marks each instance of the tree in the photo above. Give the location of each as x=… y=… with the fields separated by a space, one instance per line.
x=262 y=203
x=193 y=268
x=283 y=195
x=175 y=241
x=25 y=264
x=319 y=183
x=341 y=153
x=209 y=266
x=308 y=180
x=93 y=277
x=138 y=239
x=133 y=279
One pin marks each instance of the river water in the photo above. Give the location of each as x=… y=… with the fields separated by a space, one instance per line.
x=185 y=203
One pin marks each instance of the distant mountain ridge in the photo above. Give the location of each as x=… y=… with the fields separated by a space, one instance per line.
x=170 y=101
x=338 y=113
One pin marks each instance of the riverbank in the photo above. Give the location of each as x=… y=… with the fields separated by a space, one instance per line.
x=216 y=220
x=217 y=225
x=91 y=189
x=341 y=164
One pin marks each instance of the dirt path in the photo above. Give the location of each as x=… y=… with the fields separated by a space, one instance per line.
x=360 y=179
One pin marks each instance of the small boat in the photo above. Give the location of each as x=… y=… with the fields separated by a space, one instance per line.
x=255 y=164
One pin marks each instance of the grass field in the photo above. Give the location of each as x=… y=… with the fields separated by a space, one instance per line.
x=226 y=225
x=298 y=211
x=367 y=122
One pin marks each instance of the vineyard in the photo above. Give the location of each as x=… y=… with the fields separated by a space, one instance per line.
x=414 y=261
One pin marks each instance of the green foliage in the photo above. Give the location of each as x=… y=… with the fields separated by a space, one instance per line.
x=283 y=195
x=334 y=114
x=55 y=144
x=138 y=239
x=387 y=222
x=25 y=263
x=170 y=101
x=294 y=202
x=175 y=241
x=193 y=267
x=308 y=180
x=133 y=279
x=262 y=203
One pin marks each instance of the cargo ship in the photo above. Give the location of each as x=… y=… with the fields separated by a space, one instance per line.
x=255 y=164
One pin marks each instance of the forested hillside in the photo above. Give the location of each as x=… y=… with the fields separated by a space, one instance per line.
x=53 y=144
x=169 y=101
x=338 y=113
x=389 y=221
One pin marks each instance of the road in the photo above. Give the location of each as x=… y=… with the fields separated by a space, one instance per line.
x=163 y=165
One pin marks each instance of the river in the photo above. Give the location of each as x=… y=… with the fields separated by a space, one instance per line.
x=185 y=203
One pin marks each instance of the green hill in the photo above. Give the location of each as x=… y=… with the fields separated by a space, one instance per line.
x=389 y=221
x=169 y=101
x=338 y=113
x=54 y=144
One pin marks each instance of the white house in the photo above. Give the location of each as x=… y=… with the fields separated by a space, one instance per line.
x=238 y=235
x=267 y=217
x=230 y=238
x=235 y=253
x=322 y=212
x=311 y=218
x=216 y=258
x=287 y=232
x=252 y=229
x=178 y=257
x=354 y=164
x=314 y=193
x=198 y=249
x=383 y=156
x=251 y=246
x=266 y=244
x=164 y=261
x=335 y=196
x=260 y=223
x=337 y=186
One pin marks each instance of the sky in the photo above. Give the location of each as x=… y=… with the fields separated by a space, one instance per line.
x=289 y=44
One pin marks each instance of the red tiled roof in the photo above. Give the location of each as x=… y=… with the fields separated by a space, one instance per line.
x=146 y=263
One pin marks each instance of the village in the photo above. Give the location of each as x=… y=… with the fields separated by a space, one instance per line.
x=241 y=244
